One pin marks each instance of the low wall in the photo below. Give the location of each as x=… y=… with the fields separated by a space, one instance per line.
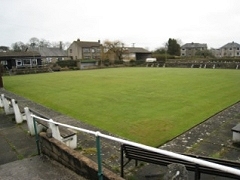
x=73 y=159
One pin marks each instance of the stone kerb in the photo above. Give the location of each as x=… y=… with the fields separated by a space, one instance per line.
x=73 y=159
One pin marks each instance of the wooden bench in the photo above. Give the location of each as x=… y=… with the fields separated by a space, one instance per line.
x=63 y=134
x=139 y=154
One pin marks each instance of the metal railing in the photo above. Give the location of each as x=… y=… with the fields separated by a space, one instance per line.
x=164 y=152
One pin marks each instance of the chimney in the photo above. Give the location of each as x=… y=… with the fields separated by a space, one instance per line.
x=60 y=46
x=99 y=41
x=78 y=39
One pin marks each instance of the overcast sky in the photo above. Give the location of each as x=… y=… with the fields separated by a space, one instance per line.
x=148 y=24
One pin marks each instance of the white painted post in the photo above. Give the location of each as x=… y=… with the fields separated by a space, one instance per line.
x=1 y=101
x=71 y=141
x=6 y=105
x=29 y=121
x=30 y=124
x=55 y=130
x=17 y=113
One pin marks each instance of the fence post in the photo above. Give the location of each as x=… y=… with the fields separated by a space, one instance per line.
x=36 y=135
x=99 y=157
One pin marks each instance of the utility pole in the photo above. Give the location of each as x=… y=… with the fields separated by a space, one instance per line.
x=1 y=80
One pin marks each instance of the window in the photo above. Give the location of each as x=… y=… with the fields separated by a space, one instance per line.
x=18 y=62
x=183 y=49
x=34 y=62
x=86 y=50
x=86 y=57
x=27 y=62
x=70 y=50
x=238 y=48
x=230 y=49
x=93 y=50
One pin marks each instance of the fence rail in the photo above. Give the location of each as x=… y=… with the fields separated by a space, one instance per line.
x=156 y=150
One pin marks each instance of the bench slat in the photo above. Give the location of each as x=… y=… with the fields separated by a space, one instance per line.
x=139 y=154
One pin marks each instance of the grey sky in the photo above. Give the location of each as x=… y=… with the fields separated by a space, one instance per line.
x=148 y=24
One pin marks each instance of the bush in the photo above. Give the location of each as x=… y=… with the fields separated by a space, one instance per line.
x=67 y=63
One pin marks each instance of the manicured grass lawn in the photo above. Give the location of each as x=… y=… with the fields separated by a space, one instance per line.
x=146 y=105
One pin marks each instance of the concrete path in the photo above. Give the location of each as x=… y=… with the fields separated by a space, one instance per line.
x=18 y=155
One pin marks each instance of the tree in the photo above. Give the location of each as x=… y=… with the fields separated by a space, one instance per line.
x=34 y=42
x=204 y=53
x=173 y=48
x=161 y=50
x=44 y=43
x=19 y=46
x=115 y=47
x=4 y=48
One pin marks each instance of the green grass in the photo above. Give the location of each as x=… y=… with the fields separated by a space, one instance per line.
x=146 y=105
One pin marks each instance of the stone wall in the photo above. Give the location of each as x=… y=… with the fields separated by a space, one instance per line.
x=73 y=159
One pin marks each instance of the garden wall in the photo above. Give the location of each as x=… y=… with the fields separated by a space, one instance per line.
x=73 y=159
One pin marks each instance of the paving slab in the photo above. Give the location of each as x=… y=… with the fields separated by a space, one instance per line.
x=37 y=167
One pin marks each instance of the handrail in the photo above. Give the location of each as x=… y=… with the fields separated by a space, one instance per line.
x=165 y=152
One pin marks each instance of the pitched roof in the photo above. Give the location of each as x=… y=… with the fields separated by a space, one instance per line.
x=87 y=43
x=50 y=52
x=20 y=54
x=230 y=45
x=137 y=50
x=194 y=45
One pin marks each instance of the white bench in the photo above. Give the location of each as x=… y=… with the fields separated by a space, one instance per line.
x=66 y=136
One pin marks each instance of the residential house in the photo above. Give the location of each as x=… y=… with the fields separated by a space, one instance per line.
x=14 y=60
x=136 y=53
x=216 y=52
x=190 y=49
x=85 y=50
x=230 y=50
x=50 y=55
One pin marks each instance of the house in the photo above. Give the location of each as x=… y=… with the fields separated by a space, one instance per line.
x=136 y=53
x=85 y=50
x=216 y=52
x=14 y=60
x=50 y=55
x=190 y=49
x=230 y=50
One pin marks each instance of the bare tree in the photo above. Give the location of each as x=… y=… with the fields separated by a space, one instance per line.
x=19 y=46
x=34 y=42
x=44 y=43
x=115 y=47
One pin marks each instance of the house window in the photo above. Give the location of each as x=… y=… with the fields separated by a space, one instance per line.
x=86 y=50
x=93 y=50
x=230 y=48
x=238 y=48
x=70 y=50
x=34 y=62
x=183 y=49
x=27 y=62
x=237 y=53
x=19 y=62
x=86 y=57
